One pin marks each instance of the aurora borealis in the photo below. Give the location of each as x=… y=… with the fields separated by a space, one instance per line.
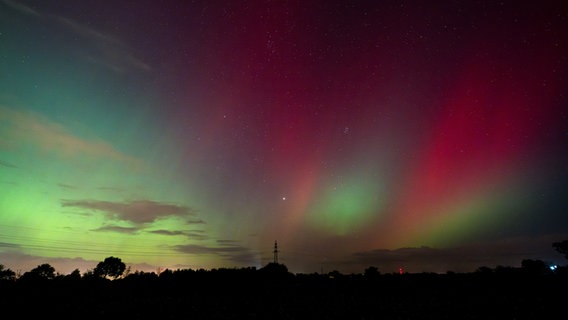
x=427 y=135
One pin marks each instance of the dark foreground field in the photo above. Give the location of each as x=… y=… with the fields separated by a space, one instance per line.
x=252 y=294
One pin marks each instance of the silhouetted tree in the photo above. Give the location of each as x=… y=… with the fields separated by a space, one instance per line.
x=45 y=271
x=503 y=270
x=561 y=247
x=74 y=275
x=484 y=270
x=7 y=274
x=335 y=274
x=535 y=266
x=166 y=273
x=275 y=268
x=88 y=274
x=42 y=272
x=111 y=267
x=371 y=272
x=274 y=271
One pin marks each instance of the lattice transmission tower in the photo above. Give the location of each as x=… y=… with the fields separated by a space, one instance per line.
x=275 y=251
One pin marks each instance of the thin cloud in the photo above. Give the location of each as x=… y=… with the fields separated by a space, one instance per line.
x=21 y=8
x=118 y=229
x=9 y=245
x=193 y=235
x=112 y=189
x=197 y=221
x=167 y=232
x=32 y=128
x=66 y=186
x=7 y=164
x=245 y=258
x=138 y=212
x=507 y=252
x=200 y=249
x=406 y=256
x=107 y=50
x=227 y=249
x=226 y=242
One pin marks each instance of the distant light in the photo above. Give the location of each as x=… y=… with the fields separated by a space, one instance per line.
x=553 y=267
x=284 y=198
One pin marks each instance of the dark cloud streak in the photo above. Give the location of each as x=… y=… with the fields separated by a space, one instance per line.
x=509 y=252
x=128 y=230
x=66 y=186
x=194 y=235
x=228 y=249
x=138 y=212
x=7 y=164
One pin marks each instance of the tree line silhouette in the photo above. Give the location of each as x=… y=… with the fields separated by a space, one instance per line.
x=111 y=290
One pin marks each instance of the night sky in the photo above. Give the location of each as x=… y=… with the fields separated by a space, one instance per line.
x=425 y=135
